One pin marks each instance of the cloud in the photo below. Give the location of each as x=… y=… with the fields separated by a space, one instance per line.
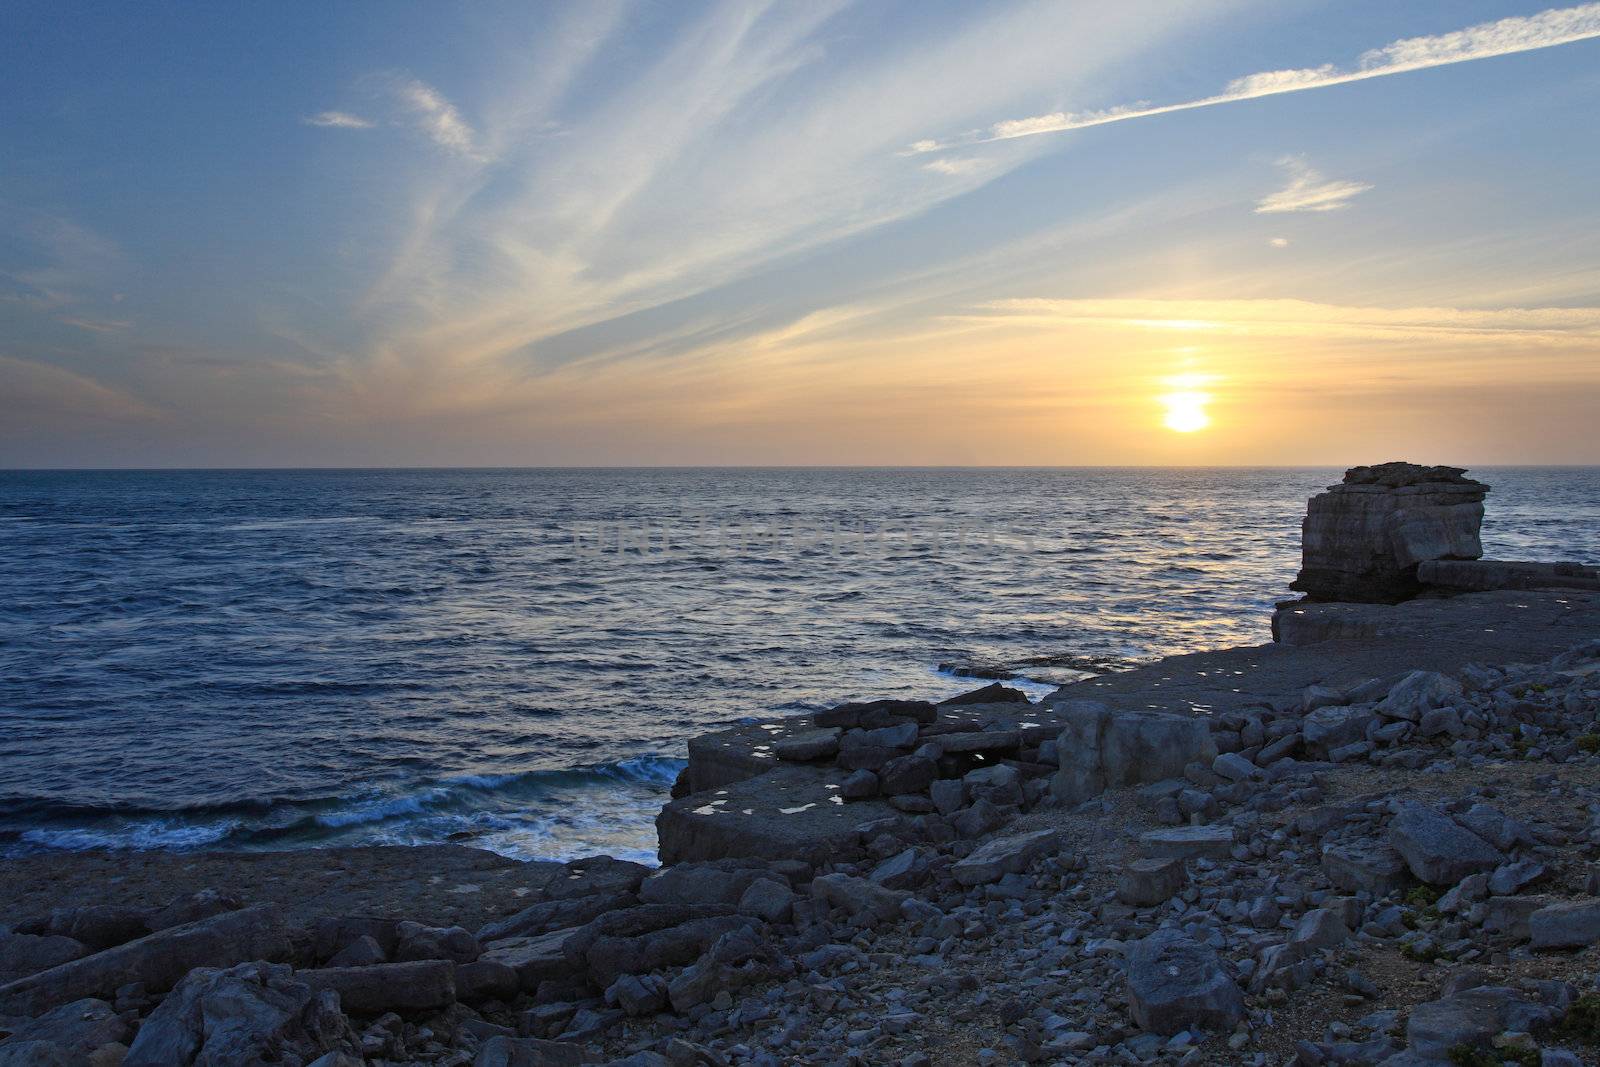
x=1278 y=242
x=99 y=325
x=1548 y=326
x=438 y=118
x=34 y=393
x=1507 y=36
x=1308 y=190
x=340 y=120
x=955 y=166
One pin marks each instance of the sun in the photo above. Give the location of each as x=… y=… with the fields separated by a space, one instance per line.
x=1186 y=411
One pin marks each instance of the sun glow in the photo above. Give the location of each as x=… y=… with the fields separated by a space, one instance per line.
x=1186 y=404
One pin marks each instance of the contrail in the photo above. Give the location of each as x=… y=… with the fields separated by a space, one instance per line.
x=1502 y=38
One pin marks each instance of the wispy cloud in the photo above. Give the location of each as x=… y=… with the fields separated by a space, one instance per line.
x=1507 y=36
x=438 y=118
x=99 y=325
x=342 y=120
x=1308 y=190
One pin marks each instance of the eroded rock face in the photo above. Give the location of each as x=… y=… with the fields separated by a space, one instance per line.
x=1363 y=539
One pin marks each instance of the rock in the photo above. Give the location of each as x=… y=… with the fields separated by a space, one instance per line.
x=907 y=774
x=537 y=958
x=415 y=941
x=1328 y=728
x=994 y=693
x=486 y=980
x=1419 y=692
x=649 y=938
x=809 y=745
x=1103 y=749
x=1234 y=767
x=550 y=915
x=100 y=926
x=193 y=907
x=896 y=738
x=711 y=882
x=1368 y=867
x=1005 y=855
x=1495 y=827
x=769 y=900
x=364 y=951
x=876 y=713
x=638 y=995
x=589 y=875
x=948 y=795
x=1318 y=929
x=1437 y=721
x=1506 y=915
x=1511 y=877
x=1175 y=983
x=985 y=741
x=1146 y=883
x=158 y=960
x=333 y=934
x=25 y=954
x=857 y=896
x=859 y=785
x=1187 y=842
x=1568 y=924
x=1438 y=850
x=978 y=819
x=501 y=1051
x=251 y=1013
x=1362 y=539
x=67 y=1034
x=404 y=987
x=904 y=870
x=1472 y=1018
x=1313 y=697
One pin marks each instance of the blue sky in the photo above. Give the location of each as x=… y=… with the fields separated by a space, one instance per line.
x=825 y=232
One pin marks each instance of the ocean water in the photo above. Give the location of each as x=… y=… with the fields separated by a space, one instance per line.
x=515 y=658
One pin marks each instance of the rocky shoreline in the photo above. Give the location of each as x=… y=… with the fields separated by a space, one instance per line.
x=1374 y=841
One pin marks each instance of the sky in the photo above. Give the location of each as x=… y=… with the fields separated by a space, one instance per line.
x=819 y=232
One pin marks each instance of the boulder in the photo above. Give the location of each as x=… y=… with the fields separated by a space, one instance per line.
x=1439 y=850
x=502 y=1051
x=550 y=915
x=68 y=1034
x=1568 y=924
x=159 y=960
x=993 y=693
x=193 y=907
x=486 y=980
x=1187 y=842
x=858 y=897
x=1001 y=856
x=252 y=1013
x=907 y=774
x=1418 y=693
x=808 y=745
x=100 y=926
x=649 y=938
x=1471 y=1018
x=768 y=900
x=415 y=986
x=1103 y=749
x=364 y=951
x=414 y=941
x=1362 y=540
x=25 y=954
x=1334 y=726
x=1146 y=883
x=873 y=714
x=536 y=958
x=1175 y=982
x=1370 y=867
x=711 y=882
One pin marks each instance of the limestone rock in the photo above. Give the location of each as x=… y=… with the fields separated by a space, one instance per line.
x=1146 y=883
x=1363 y=539
x=1187 y=842
x=1175 y=982
x=413 y=986
x=252 y=1013
x=1005 y=855
x=1568 y=924
x=1103 y=749
x=1438 y=850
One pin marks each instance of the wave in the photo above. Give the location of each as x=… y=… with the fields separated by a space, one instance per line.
x=533 y=811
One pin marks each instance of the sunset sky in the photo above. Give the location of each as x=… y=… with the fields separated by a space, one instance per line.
x=807 y=232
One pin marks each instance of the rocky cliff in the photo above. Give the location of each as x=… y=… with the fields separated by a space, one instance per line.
x=1363 y=539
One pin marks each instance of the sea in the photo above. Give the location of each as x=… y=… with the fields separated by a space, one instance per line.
x=514 y=658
